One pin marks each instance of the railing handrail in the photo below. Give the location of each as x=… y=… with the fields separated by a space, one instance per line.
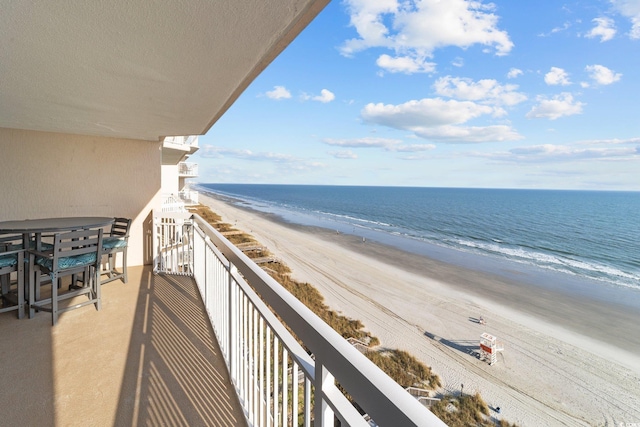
x=190 y=140
x=385 y=401
x=172 y=203
x=188 y=168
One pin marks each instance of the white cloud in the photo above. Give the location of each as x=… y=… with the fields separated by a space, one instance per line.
x=425 y=112
x=602 y=75
x=212 y=151
x=347 y=154
x=367 y=142
x=405 y=64
x=387 y=144
x=486 y=90
x=435 y=118
x=292 y=162
x=469 y=134
x=279 y=92
x=458 y=62
x=415 y=29
x=605 y=29
x=612 y=141
x=513 y=73
x=325 y=96
x=564 y=27
x=630 y=9
x=552 y=109
x=550 y=152
x=557 y=76
x=414 y=148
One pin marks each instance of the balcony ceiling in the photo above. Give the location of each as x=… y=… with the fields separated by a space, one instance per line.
x=136 y=69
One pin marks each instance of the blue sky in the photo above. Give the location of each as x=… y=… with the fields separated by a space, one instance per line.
x=453 y=93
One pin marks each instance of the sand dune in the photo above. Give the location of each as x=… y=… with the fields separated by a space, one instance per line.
x=567 y=361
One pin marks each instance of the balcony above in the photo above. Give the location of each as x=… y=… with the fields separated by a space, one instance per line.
x=178 y=148
x=189 y=197
x=172 y=203
x=187 y=170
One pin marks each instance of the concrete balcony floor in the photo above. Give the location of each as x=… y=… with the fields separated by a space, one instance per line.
x=148 y=358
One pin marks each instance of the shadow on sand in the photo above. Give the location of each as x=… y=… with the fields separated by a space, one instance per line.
x=464 y=346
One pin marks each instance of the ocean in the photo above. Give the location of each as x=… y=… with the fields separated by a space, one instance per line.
x=586 y=240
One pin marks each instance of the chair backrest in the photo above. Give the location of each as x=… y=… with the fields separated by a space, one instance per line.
x=9 y=242
x=11 y=253
x=76 y=243
x=120 y=227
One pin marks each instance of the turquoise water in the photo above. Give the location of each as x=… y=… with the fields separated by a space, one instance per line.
x=579 y=234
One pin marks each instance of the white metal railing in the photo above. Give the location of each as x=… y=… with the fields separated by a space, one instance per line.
x=187 y=169
x=173 y=243
x=189 y=197
x=172 y=203
x=279 y=383
x=191 y=140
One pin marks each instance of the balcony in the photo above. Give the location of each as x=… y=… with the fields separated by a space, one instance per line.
x=149 y=357
x=172 y=203
x=193 y=341
x=187 y=170
x=185 y=141
x=189 y=197
x=176 y=148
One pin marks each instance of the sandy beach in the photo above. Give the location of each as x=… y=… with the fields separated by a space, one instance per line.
x=567 y=360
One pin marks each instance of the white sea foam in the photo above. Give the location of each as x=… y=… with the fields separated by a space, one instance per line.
x=557 y=263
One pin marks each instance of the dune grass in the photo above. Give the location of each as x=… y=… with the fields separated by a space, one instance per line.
x=466 y=410
x=405 y=369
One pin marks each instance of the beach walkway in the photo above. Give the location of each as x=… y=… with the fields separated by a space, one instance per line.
x=149 y=357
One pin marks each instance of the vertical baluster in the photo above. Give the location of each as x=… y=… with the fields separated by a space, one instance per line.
x=268 y=383
x=294 y=396
x=231 y=331
x=245 y=370
x=249 y=357
x=261 y=389
x=276 y=379
x=307 y=402
x=256 y=379
x=323 y=415
x=285 y=385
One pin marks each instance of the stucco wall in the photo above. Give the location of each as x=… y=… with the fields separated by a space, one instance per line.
x=170 y=179
x=46 y=174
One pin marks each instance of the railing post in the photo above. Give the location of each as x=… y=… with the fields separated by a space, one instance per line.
x=155 y=245
x=205 y=269
x=323 y=415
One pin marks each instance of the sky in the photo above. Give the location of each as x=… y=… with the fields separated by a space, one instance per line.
x=457 y=93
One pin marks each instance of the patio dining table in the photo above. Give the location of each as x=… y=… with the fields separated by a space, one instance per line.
x=52 y=225
x=34 y=228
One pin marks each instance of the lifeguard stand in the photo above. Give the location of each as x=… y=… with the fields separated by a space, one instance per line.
x=489 y=348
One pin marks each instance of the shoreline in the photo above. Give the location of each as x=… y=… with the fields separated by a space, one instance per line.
x=582 y=313
x=429 y=312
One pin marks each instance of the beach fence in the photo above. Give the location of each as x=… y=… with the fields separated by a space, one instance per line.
x=423 y=396
x=358 y=345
